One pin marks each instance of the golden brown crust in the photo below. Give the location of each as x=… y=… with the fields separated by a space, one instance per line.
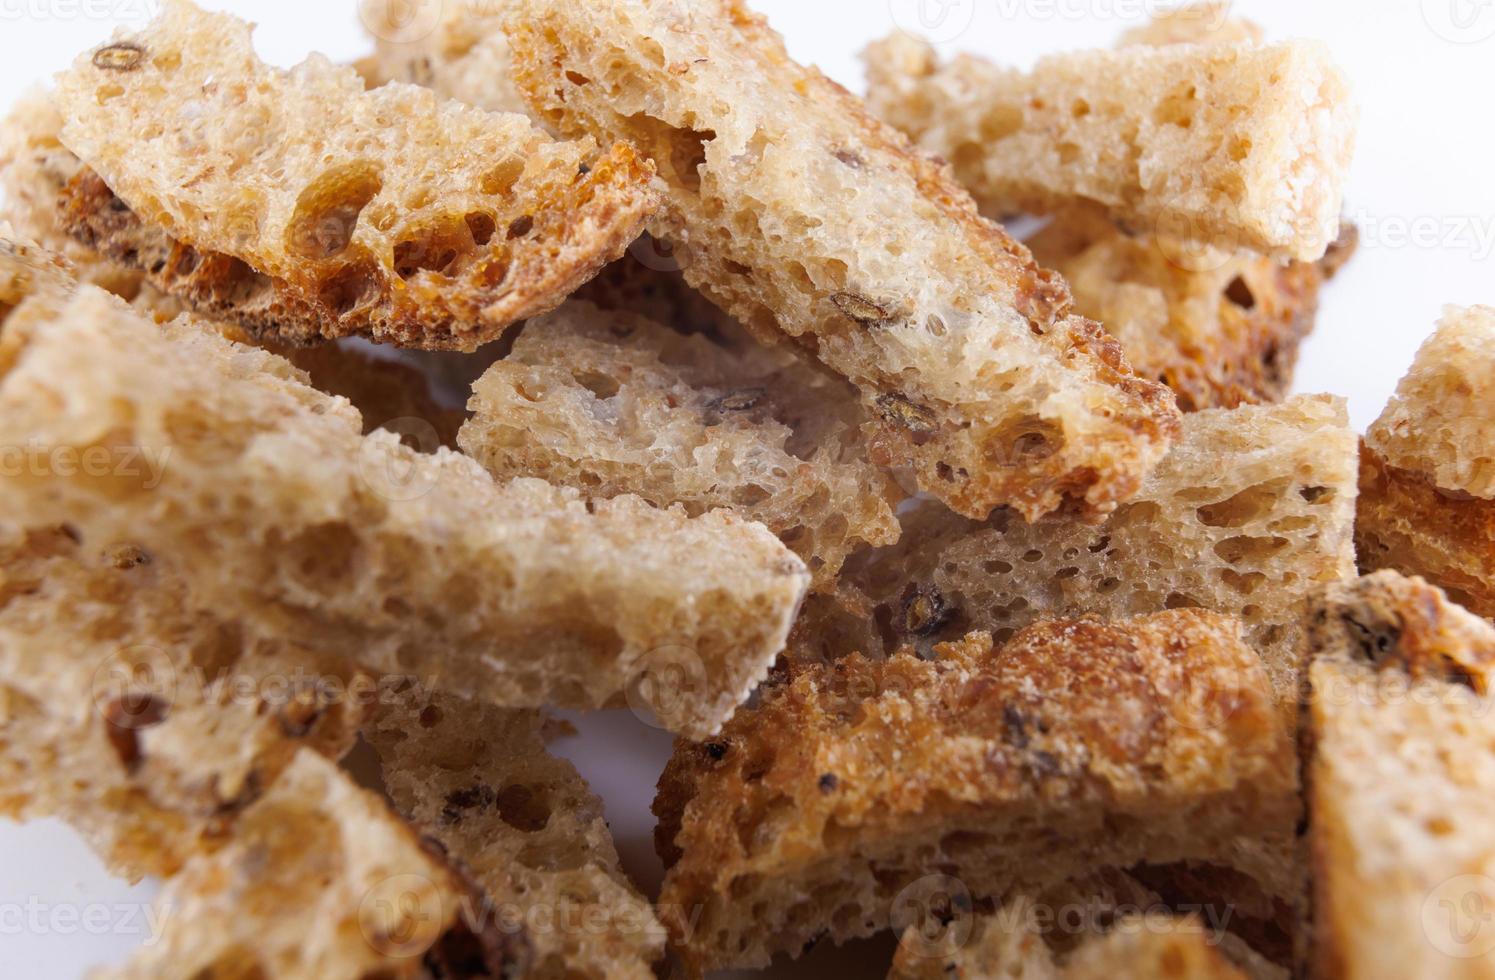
x=1406 y=523
x=850 y=781
x=818 y=226
x=417 y=222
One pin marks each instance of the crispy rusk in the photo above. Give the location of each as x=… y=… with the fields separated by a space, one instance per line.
x=612 y=403
x=1075 y=747
x=302 y=207
x=524 y=826
x=1401 y=770
x=1427 y=487
x=819 y=227
x=292 y=519
x=1237 y=145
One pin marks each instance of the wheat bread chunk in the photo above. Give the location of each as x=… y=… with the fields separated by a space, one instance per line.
x=461 y=53
x=1427 y=489
x=321 y=881
x=523 y=824
x=1243 y=146
x=1253 y=507
x=613 y=403
x=289 y=517
x=324 y=211
x=1206 y=22
x=1222 y=329
x=1077 y=746
x=815 y=225
x=1401 y=771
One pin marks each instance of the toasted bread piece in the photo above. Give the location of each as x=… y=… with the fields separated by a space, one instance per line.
x=319 y=881
x=1007 y=945
x=817 y=226
x=1253 y=507
x=1401 y=766
x=525 y=827
x=292 y=519
x=1206 y=22
x=1077 y=746
x=145 y=724
x=1237 y=145
x=1427 y=485
x=1221 y=329
x=615 y=404
x=307 y=208
x=463 y=56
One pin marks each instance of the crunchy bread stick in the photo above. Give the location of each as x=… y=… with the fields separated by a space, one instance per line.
x=306 y=208
x=1239 y=145
x=1077 y=746
x=524 y=825
x=1427 y=488
x=1401 y=771
x=320 y=881
x=1253 y=507
x=613 y=403
x=818 y=226
x=523 y=595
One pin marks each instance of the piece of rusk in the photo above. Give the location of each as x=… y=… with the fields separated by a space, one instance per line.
x=1252 y=508
x=456 y=48
x=1078 y=746
x=1242 y=146
x=817 y=226
x=302 y=207
x=320 y=881
x=294 y=521
x=612 y=403
x=1400 y=750
x=524 y=826
x=1427 y=479
x=146 y=725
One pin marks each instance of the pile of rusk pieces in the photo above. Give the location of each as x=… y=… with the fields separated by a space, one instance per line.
x=969 y=587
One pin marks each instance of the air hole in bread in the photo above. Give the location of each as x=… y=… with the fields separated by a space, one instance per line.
x=501 y=179
x=1250 y=505
x=1178 y=107
x=323 y=558
x=436 y=247
x=1239 y=293
x=523 y=808
x=602 y=385
x=482 y=227
x=328 y=211
x=354 y=286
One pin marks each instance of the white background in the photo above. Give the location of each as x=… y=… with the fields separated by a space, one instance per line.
x=1423 y=70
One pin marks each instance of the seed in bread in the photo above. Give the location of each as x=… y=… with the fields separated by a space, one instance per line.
x=612 y=403
x=1238 y=145
x=1401 y=771
x=290 y=518
x=310 y=209
x=1427 y=489
x=817 y=226
x=1253 y=507
x=463 y=57
x=524 y=826
x=319 y=879
x=1077 y=746
x=1221 y=329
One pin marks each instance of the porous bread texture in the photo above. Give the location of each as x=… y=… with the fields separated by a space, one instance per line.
x=308 y=208
x=1222 y=329
x=320 y=882
x=144 y=724
x=524 y=826
x=1427 y=484
x=1005 y=946
x=1077 y=746
x=1440 y=420
x=1237 y=145
x=462 y=56
x=1194 y=23
x=1401 y=771
x=819 y=227
x=1252 y=508
x=612 y=403
x=290 y=518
